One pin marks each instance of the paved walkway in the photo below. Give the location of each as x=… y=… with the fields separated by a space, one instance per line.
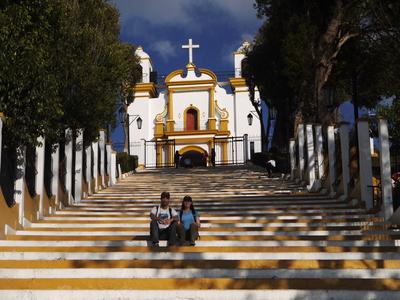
x=261 y=238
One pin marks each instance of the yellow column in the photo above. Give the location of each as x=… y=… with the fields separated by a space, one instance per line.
x=224 y=151
x=171 y=155
x=170 y=120
x=159 y=155
x=211 y=113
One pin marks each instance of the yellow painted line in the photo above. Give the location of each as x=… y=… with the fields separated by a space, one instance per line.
x=199 y=249
x=210 y=238
x=66 y=219
x=200 y=283
x=227 y=264
x=206 y=229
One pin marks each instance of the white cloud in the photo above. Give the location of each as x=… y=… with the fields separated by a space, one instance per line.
x=178 y=12
x=164 y=49
x=241 y=10
x=157 y=12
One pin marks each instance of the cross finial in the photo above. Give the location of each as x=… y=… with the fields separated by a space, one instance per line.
x=190 y=46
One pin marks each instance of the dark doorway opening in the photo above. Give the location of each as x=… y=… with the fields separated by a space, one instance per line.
x=192 y=159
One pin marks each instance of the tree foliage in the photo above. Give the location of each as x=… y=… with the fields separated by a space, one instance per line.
x=305 y=46
x=61 y=66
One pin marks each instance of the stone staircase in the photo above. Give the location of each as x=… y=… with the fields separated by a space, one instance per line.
x=261 y=238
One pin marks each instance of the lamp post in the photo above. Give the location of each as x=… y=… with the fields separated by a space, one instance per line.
x=126 y=120
x=250 y=119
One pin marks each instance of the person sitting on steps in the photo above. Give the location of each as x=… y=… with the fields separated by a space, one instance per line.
x=189 y=222
x=163 y=222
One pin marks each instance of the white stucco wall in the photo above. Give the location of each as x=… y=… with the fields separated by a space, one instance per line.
x=237 y=104
x=183 y=100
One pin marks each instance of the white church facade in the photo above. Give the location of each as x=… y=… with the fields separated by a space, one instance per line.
x=192 y=115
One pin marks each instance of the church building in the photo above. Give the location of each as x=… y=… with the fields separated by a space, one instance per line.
x=192 y=115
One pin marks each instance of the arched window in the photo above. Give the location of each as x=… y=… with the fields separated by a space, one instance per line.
x=191 y=119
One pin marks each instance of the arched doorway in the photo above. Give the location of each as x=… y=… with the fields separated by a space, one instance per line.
x=191 y=119
x=192 y=156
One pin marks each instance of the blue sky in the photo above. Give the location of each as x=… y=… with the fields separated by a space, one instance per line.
x=161 y=27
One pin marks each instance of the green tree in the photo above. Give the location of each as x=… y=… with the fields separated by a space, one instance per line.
x=61 y=66
x=28 y=84
x=306 y=45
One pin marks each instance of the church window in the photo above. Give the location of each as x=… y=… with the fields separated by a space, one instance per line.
x=191 y=119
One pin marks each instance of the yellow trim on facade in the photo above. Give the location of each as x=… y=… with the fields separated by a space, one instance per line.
x=190 y=88
x=221 y=111
x=209 y=73
x=160 y=117
x=197 y=132
x=223 y=125
x=159 y=155
x=198 y=116
x=171 y=155
x=192 y=148
x=193 y=141
x=237 y=82
x=173 y=74
x=170 y=120
x=191 y=82
x=224 y=151
x=190 y=68
x=146 y=87
x=159 y=129
x=211 y=113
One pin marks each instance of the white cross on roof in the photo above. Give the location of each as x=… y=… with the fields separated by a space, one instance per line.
x=190 y=46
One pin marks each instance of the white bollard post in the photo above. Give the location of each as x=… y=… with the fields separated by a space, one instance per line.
x=384 y=159
x=1 y=135
x=108 y=152
x=319 y=150
x=39 y=180
x=300 y=137
x=310 y=157
x=55 y=169
x=119 y=172
x=331 y=157
x=102 y=147
x=89 y=169
x=113 y=173
x=95 y=147
x=68 y=164
x=364 y=154
x=142 y=156
x=292 y=149
x=344 y=148
x=19 y=192
x=78 y=166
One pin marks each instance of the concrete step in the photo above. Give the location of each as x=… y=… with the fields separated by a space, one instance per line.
x=210 y=294
x=260 y=239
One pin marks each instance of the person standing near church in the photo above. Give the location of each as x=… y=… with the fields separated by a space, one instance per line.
x=189 y=222
x=176 y=159
x=163 y=222
x=213 y=157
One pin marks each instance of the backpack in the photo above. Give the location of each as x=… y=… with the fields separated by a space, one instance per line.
x=193 y=213
x=170 y=211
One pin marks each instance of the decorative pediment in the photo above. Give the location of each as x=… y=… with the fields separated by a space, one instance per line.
x=223 y=113
x=160 y=117
x=191 y=77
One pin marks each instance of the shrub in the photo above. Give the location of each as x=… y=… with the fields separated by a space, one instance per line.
x=128 y=162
